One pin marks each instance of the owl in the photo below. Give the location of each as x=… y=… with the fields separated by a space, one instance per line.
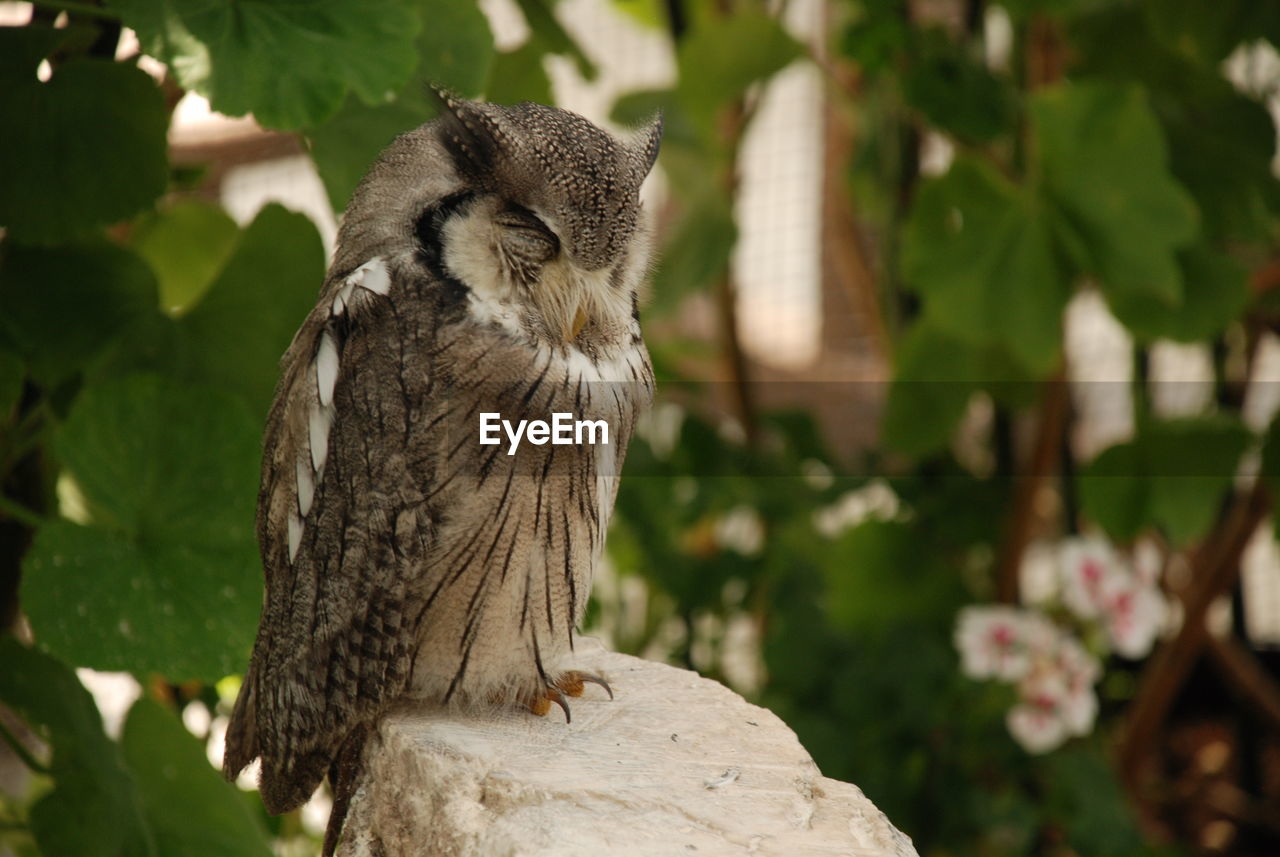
x=486 y=273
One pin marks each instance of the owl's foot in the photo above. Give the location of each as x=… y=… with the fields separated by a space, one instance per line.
x=571 y=683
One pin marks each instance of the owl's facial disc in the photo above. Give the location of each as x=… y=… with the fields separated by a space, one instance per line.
x=513 y=263
x=522 y=235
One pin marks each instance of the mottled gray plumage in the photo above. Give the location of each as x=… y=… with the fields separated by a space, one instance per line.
x=489 y=262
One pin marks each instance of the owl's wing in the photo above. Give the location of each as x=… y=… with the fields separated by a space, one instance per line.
x=342 y=525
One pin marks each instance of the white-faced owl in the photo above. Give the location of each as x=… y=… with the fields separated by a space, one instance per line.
x=488 y=264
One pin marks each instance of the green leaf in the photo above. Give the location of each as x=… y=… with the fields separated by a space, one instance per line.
x=91 y=785
x=1105 y=167
x=90 y=148
x=1215 y=292
x=166 y=578
x=1087 y=799
x=192 y=810
x=876 y=36
x=922 y=410
x=650 y=14
x=1064 y=8
x=1220 y=145
x=236 y=335
x=696 y=253
x=12 y=374
x=455 y=50
x=186 y=243
x=956 y=92
x=519 y=75
x=1207 y=32
x=935 y=374
x=1220 y=140
x=288 y=63
x=718 y=61
x=552 y=37
x=881 y=573
x=693 y=166
x=63 y=305
x=980 y=252
x=347 y=145
x=1154 y=481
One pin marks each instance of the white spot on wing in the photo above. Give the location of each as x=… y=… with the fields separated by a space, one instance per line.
x=306 y=485
x=318 y=422
x=341 y=299
x=295 y=534
x=372 y=276
x=326 y=368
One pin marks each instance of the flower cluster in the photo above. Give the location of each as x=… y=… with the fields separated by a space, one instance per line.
x=1104 y=596
x=1098 y=585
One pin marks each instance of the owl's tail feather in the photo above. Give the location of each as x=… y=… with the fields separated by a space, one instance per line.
x=344 y=774
x=242 y=734
x=283 y=789
x=287 y=780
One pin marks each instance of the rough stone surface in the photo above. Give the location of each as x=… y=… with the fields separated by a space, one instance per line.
x=675 y=765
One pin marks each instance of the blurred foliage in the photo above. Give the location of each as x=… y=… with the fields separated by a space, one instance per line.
x=140 y=329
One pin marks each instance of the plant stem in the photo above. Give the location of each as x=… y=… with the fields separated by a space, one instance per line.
x=20 y=750
x=1215 y=568
x=1040 y=467
x=20 y=513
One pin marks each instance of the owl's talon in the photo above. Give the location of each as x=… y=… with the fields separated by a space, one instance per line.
x=554 y=695
x=539 y=705
x=574 y=683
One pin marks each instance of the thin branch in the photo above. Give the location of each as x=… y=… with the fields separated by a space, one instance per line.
x=1020 y=524
x=841 y=237
x=20 y=513
x=20 y=750
x=1248 y=677
x=1215 y=568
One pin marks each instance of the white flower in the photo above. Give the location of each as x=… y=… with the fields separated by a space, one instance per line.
x=1057 y=699
x=992 y=641
x=1054 y=673
x=1041 y=637
x=1078 y=671
x=1135 y=612
x=1099 y=584
x=1037 y=727
x=660 y=426
x=1087 y=563
x=1148 y=561
x=1038 y=576
x=740 y=530
x=875 y=501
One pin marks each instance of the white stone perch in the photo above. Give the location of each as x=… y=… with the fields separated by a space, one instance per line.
x=675 y=765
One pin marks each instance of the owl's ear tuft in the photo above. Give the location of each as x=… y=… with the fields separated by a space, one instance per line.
x=647 y=142
x=472 y=137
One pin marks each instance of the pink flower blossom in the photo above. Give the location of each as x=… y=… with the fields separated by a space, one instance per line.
x=1056 y=698
x=1036 y=726
x=1134 y=614
x=1099 y=584
x=1087 y=564
x=992 y=642
x=1053 y=672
